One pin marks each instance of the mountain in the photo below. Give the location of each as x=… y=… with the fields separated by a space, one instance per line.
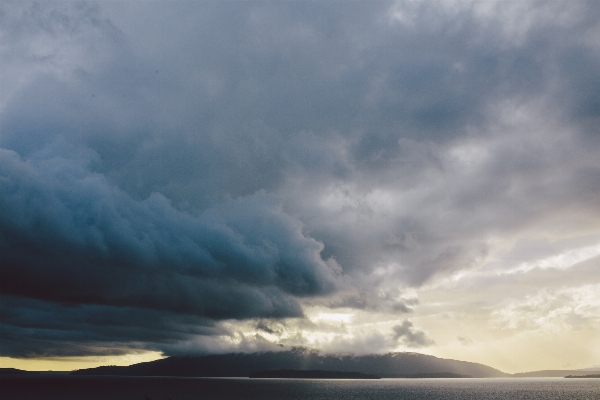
x=14 y=371
x=594 y=368
x=243 y=364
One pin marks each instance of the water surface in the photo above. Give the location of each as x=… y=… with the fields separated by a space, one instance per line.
x=162 y=388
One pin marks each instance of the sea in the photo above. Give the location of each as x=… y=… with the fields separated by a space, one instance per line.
x=165 y=388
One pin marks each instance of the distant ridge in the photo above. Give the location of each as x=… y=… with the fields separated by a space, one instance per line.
x=553 y=373
x=243 y=364
x=595 y=368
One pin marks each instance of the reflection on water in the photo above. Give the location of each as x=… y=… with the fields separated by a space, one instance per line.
x=162 y=388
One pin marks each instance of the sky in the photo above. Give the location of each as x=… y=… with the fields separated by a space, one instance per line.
x=193 y=177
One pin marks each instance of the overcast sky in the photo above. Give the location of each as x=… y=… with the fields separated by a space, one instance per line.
x=358 y=177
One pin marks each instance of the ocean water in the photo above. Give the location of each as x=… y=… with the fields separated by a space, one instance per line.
x=163 y=388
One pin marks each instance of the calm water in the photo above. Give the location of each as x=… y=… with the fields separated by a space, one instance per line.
x=135 y=388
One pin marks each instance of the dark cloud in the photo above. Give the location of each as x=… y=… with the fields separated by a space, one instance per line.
x=219 y=160
x=68 y=235
x=410 y=336
x=35 y=328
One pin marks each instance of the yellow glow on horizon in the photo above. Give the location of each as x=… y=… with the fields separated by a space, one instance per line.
x=526 y=351
x=74 y=363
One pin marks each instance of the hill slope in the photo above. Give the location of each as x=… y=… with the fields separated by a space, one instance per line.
x=243 y=364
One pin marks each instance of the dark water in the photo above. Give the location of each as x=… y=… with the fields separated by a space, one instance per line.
x=162 y=388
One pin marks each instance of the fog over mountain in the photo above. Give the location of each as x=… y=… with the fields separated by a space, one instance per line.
x=185 y=178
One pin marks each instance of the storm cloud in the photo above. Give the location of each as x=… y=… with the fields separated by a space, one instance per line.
x=198 y=164
x=70 y=237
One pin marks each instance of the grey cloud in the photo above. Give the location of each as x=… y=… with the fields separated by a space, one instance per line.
x=367 y=298
x=225 y=160
x=410 y=336
x=270 y=327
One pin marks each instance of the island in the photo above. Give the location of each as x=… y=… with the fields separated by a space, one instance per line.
x=311 y=374
x=583 y=376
